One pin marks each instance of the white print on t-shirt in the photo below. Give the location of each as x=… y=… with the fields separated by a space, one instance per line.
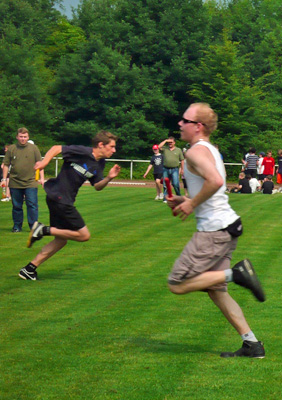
x=82 y=170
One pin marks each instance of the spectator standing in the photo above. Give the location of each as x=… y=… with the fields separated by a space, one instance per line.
x=279 y=170
x=269 y=164
x=7 y=195
x=251 y=163
x=156 y=163
x=244 y=161
x=182 y=176
x=172 y=157
x=20 y=158
x=260 y=167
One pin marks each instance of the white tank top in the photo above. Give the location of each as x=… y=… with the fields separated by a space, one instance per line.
x=215 y=213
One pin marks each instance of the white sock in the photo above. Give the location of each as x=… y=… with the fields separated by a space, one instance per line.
x=250 y=337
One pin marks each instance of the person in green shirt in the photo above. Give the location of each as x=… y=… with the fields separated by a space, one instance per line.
x=20 y=159
x=173 y=156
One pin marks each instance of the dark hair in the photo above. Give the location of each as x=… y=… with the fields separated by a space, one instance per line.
x=103 y=136
x=248 y=176
x=253 y=150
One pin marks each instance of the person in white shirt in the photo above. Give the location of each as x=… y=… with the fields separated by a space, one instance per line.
x=204 y=264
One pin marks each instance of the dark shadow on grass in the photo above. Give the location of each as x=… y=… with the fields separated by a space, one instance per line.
x=161 y=346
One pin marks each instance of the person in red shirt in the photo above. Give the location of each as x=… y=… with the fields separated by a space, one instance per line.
x=269 y=164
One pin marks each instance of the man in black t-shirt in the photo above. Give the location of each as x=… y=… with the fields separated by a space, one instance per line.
x=80 y=164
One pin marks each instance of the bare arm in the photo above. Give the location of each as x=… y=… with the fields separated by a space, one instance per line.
x=113 y=173
x=42 y=177
x=161 y=145
x=181 y=170
x=148 y=170
x=5 y=174
x=53 y=152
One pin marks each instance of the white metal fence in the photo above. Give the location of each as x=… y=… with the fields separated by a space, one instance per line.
x=57 y=159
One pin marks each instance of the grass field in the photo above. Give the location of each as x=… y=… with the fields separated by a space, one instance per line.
x=100 y=323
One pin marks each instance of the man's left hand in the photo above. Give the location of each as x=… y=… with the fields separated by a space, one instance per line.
x=113 y=173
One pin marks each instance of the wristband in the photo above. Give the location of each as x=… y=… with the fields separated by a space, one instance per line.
x=3 y=179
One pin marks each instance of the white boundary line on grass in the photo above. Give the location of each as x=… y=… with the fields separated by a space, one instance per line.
x=127 y=183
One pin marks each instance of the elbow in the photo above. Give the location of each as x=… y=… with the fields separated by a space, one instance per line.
x=218 y=183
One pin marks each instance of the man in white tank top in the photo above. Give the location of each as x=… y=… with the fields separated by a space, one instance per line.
x=204 y=264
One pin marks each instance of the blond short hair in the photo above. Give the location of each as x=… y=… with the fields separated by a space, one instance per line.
x=206 y=115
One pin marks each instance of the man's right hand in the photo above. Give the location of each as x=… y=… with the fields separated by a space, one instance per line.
x=184 y=209
x=39 y=165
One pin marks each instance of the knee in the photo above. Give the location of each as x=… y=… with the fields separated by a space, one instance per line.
x=85 y=237
x=176 y=289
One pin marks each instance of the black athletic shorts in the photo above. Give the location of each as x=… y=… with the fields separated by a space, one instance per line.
x=158 y=176
x=64 y=216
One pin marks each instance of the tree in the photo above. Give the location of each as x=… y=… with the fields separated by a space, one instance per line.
x=99 y=88
x=165 y=37
x=23 y=98
x=224 y=82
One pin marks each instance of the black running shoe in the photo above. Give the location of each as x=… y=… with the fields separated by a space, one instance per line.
x=248 y=349
x=36 y=233
x=28 y=275
x=244 y=275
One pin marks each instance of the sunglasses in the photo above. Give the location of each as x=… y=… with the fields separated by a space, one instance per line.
x=188 y=121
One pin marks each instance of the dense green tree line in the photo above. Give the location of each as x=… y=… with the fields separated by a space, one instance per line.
x=133 y=66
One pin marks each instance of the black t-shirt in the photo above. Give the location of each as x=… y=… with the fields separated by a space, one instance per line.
x=157 y=162
x=267 y=187
x=280 y=165
x=79 y=165
x=245 y=186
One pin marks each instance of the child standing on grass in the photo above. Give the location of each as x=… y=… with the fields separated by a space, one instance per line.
x=80 y=164
x=157 y=163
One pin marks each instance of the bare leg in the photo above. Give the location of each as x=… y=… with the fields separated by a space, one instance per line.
x=231 y=310
x=82 y=235
x=48 y=251
x=158 y=186
x=199 y=282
